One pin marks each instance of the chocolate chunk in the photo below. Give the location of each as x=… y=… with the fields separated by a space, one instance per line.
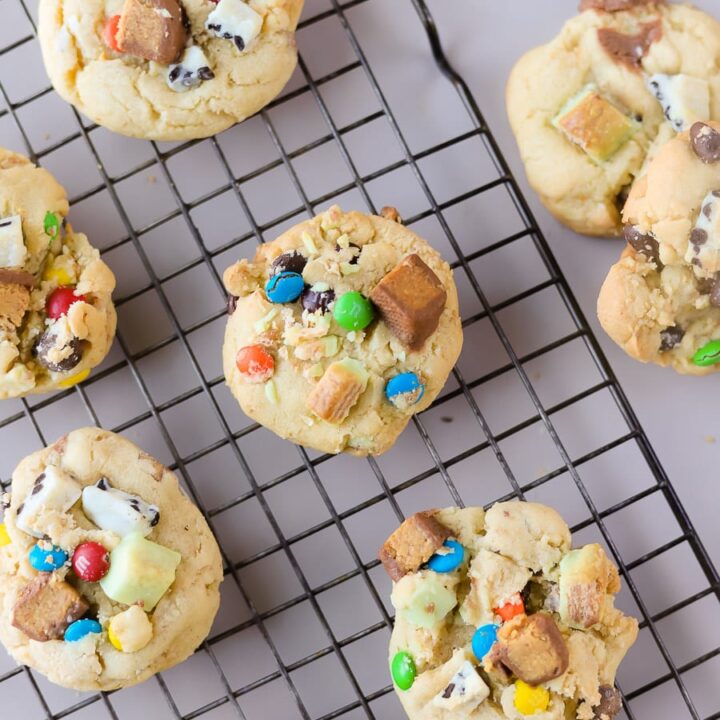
x=390 y=213
x=615 y=5
x=412 y=544
x=411 y=299
x=14 y=302
x=355 y=255
x=314 y=300
x=16 y=277
x=610 y=703
x=705 y=142
x=293 y=261
x=46 y=606
x=152 y=29
x=644 y=244
x=56 y=357
x=670 y=337
x=231 y=304
x=532 y=648
x=629 y=50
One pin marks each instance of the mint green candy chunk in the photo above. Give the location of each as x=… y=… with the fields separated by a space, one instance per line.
x=402 y=669
x=708 y=354
x=353 y=311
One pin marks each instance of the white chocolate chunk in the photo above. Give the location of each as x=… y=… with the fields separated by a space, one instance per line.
x=12 y=243
x=704 y=246
x=117 y=511
x=684 y=99
x=131 y=630
x=53 y=490
x=235 y=20
x=193 y=69
x=463 y=693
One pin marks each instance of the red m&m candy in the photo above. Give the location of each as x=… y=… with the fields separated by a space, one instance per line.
x=255 y=363
x=110 y=33
x=60 y=300
x=91 y=561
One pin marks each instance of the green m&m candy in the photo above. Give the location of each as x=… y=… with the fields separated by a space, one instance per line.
x=402 y=669
x=353 y=311
x=51 y=224
x=708 y=354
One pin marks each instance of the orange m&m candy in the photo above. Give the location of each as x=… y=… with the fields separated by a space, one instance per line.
x=514 y=606
x=255 y=363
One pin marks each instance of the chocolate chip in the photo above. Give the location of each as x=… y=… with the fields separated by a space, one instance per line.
x=314 y=300
x=356 y=256
x=646 y=245
x=705 y=285
x=102 y=484
x=239 y=43
x=231 y=304
x=21 y=507
x=155 y=520
x=48 y=342
x=705 y=142
x=293 y=261
x=447 y=693
x=698 y=237
x=174 y=74
x=205 y=73
x=670 y=337
x=610 y=703
x=707 y=210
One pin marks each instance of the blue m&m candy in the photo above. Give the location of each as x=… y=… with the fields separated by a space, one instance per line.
x=404 y=390
x=448 y=559
x=48 y=558
x=285 y=287
x=82 y=628
x=483 y=639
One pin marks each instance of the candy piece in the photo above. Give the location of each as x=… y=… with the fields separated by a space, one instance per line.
x=448 y=558
x=10 y=276
x=615 y=5
x=4 y=537
x=412 y=544
x=530 y=700
x=12 y=243
x=684 y=99
x=644 y=244
x=594 y=124
x=192 y=70
x=703 y=250
x=705 y=142
x=140 y=572
x=629 y=50
x=57 y=354
x=708 y=354
x=610 y=703
x=353 y=311
x=670 y=337
x=53 y=490
x=483 y=640
x=46 y=557
x=318 y=297
x=411 y=299
x=424 y=599
x=75 y=379
x=512 y=608
x=255 y=363
x=402 y=669
x=60 y=300
x=235 y=20
x=91 y=561
x=404 y=390
x=465 y=691
x=117 y=511
x=338 y=390
x=532 y=648
x=293 y=261
x=285 y=287
x=46 y=606
x=57 y=275
x=110 y=33
x=152 y=30
x=81 y=629
x=131 y=630
x=14 y=302
x=51 y=225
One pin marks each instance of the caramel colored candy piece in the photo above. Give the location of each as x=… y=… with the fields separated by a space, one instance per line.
x=17 y=277
x=152 y=29
x=46 y=606
x=411 y=299
x=14 y=302
x=629 y=50
x=412 y=544
x=338 y=390
x=533 y=649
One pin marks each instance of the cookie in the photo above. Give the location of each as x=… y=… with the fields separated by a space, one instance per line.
x=340 y=331
x=168 y=69
x=108 y=573
x=496 y=616
x=661 y=301
x=590 y=107
x=57 y=320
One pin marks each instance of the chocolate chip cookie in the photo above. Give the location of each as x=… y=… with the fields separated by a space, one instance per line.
x=590 y=107
x=168 y=69
x=108 y=573
x=57 y=320
x=340 y=330
x=496 y=617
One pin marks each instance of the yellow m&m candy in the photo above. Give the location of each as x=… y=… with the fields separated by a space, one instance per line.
x=4 y=537
x=530 y=700
x=57 y=275
x=75 y=379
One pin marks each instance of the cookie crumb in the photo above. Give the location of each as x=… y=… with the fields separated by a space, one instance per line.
x=710 y=439
x=152 y=179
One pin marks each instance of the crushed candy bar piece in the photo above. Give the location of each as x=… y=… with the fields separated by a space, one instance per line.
x=629 y=50
x=14 y=302
x=12 y=243
x=191 y=70
x=411 y=299
x=46 y=607
x=17 y=277
x=152 y=30
x=464 y=692
x=338 y=390
x=54 y=490
x=117 y=511
x=235 y=20
x=412 y=544
x=533 y=649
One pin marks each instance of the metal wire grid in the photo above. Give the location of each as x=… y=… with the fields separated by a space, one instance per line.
x=364 y=703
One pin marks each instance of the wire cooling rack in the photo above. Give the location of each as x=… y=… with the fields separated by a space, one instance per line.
x=533 y=410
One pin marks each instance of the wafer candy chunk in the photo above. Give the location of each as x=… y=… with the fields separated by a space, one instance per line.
x=152 y=29
x=338 y=390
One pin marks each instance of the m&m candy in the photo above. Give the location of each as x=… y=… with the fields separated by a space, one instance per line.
x=255 y=363
x=483 y=639
x=402 y=669
x=74 y=379
x=404 y=390
x=91 y=561
x=60 y=300
x=4 y=537
x=285 y=287
x=46 y=558
x=82 y=628
x=708 y=354
x=513 y=607
x=448 y=558
x=353 y=311
x=51 y=224
x=530 y=700
x=110 y=33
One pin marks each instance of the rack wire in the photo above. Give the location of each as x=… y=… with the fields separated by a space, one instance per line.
x=305 y=619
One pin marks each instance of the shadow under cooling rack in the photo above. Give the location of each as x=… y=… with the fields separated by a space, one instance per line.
x=532 y=410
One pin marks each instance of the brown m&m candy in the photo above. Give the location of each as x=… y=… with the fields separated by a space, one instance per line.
x=152 y=29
